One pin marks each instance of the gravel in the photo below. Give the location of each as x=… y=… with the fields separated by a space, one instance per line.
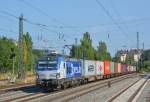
x=99 y=95
x=102 y=94
x=145 y=95
x=19 y=93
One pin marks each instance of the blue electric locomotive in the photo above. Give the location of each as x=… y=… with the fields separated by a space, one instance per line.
x=56 y=71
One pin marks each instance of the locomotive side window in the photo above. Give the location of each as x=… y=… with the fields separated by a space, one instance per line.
x=42 y=65
x=64 y=65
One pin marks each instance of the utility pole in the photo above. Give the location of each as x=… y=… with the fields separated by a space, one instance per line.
x=76 y=50
x=143 y=46
x=137 y=40
x=141 y=61
x=138 y=51
x=84 y=54
x=76 y=41
x=12 y=56
x=21 y=74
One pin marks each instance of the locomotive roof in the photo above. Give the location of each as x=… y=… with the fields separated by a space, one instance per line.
x=67 y=58
x=43 y=58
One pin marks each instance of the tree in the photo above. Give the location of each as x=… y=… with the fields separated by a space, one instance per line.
x=102 y=53
x=87 y=50
x=73 y=51
x=86 y=47
x=145 y=60
x=9 y=48
x=6 y=46
x=28 y=56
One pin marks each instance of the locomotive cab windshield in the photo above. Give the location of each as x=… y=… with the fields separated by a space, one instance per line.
x=49 y=62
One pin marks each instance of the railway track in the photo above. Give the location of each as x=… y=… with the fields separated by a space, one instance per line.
x=128 y=94
x=3 y=79
x=68 y=94
x=16 y=87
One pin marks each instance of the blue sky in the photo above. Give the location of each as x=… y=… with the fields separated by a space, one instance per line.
x=71 y=18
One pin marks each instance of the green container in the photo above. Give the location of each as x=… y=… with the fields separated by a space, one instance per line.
x=112 y=67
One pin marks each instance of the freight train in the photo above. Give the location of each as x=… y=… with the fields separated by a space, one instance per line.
x=57 y=71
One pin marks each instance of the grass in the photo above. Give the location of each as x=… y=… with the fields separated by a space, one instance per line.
x=30 y=78
x=144 y=70
x=4 y=75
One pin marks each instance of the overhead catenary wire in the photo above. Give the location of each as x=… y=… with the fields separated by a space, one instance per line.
x=28 y=21
x=10 y=31
x=117 y=14
x=112 y=19
x=9 y=14
x=6 y=17
x=38 y=24
x=87 y=26
x=43 y=26
x=41 y=11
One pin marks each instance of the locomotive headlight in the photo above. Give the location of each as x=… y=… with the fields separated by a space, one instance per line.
x=37 y=76
x=57 y=75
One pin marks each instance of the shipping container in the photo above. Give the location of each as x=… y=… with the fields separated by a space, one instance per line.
x=116 y=67
x=90 y=68
x=129 y=68
x=134 y=68
x=119 y=67
x=106 y=67
x=112 y=67
x=99 y=69
x=73 y=69
x=126 y=65
x=123 y=66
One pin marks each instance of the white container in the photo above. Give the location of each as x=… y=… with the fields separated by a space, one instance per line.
x=119 y=67
x=90 y=68
x=99 y=68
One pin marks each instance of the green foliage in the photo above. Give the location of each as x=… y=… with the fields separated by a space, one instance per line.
x=37 y=53
x=145 y=61
x=5 y=53
x=146 y=55
x=30 y=56
x=130 y=60
x=87 y=50
x=102 y=53
x=76 y=52
x=147 y=64
x=86 y=47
